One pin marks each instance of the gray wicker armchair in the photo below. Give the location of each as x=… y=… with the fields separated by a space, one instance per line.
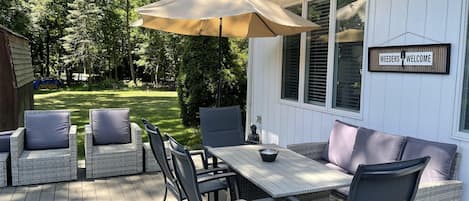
x=45 y=150
x=112 y=158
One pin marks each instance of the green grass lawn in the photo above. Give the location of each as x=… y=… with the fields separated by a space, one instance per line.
x=159 y=107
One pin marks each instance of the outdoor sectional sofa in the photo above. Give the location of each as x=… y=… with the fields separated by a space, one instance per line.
x=350 y=146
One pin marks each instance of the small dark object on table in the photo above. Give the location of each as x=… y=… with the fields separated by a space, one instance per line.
x=268 y=155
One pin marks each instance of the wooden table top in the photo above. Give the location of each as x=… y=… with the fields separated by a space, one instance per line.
x=290 y=174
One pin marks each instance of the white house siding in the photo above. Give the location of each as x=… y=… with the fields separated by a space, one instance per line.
x=419 y=105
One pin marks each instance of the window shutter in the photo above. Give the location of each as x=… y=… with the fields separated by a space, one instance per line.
x=316 y=55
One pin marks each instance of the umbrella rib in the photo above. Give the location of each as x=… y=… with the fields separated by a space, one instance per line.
x=268 y=27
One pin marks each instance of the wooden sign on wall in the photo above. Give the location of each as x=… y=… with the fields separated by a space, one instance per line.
x=433 y=58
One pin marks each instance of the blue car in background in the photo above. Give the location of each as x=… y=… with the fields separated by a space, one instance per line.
x=47 y=84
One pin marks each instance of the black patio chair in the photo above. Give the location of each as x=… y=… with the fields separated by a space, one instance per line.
x=387 y=182
x=171 y=183
x=221 y=127
x=187 y=177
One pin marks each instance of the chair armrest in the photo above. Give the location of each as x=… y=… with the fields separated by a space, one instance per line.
x=136 y=135
x=206 y=171
x=200 y=153
x=440 y=190
x=88 y=141
x=216 y=176
x=72 y=138
x=313 y=150
x=17 y=143
x=72 y=144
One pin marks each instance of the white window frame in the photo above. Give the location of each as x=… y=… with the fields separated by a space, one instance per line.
x=330 y=69
x=461 y=64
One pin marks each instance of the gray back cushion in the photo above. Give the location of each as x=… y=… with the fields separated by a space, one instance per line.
x=46 y=129
x=442 y=157
x=110 y=126
x=341 y=141
x=5 y=141
x=373 y=147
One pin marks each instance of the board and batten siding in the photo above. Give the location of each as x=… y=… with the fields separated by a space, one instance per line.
x=418 y=105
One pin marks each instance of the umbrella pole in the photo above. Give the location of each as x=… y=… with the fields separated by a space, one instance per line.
x=220 y=66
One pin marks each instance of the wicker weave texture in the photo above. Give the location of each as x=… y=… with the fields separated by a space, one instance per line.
x=124 y=160
x=4 y=159
x=150 y=162
x=450 y=190
x=42 y=166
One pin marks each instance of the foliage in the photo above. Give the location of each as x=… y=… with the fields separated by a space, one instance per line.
x=199 y=74
x=80 y=43
x=158 y=55
x=93 y=37
x=159 y=107
x=13 y=15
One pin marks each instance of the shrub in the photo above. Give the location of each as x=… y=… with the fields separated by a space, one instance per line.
x=199 y=73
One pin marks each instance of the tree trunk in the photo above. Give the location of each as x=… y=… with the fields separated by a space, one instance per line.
x=156 y=75
x=47 y=52
x=129 y=46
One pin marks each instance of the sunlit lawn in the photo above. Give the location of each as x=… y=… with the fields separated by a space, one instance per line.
x=159 y=107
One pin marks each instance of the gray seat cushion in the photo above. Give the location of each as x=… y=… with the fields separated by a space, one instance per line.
x=341 y=142
x=5 y=141
x=373 y=147
x=46 y=129
x=110 y=126
x=442 y=157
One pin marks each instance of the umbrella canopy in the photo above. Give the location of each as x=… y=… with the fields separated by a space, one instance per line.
x=241 y=18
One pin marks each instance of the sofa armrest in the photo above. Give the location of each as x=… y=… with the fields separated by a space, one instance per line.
x=136 y=135
x=17 y=143
x=313 y=150
x=440 y=190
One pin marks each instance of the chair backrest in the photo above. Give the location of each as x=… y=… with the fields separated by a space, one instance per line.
x=221 y=126
x=159 y=152
x=185 y=171
x=388 y=182
x=47 y=129
x=110 y=126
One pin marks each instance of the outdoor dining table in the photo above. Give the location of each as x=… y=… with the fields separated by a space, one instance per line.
x=291 y=174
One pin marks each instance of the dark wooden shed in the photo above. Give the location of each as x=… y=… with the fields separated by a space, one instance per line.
x=16 y=79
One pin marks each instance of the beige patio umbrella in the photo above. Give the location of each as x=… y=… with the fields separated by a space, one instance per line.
x=222 y=18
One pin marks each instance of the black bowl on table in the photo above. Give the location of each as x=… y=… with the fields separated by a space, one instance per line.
x=268 y=155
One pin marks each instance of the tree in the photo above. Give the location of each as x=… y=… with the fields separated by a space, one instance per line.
x=13 y=15
x=159 y=55
x=199 y=73
x=81 y=40
x=48 y=24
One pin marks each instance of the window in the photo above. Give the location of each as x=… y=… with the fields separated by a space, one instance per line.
x=348 y=54
x=464 y=123
x=333 y=64
x=316 y=53
x=291 y=62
